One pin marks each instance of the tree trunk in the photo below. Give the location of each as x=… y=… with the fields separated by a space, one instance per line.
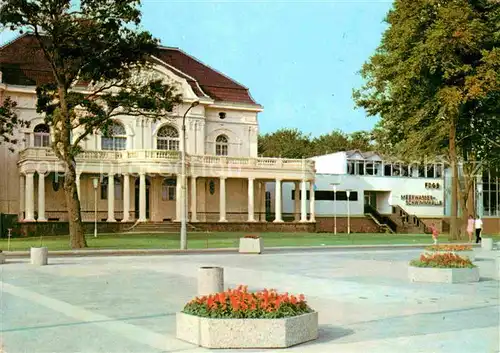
x=454 y=181
x=76 y=231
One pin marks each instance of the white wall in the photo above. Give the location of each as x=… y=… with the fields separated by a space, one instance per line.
x=334 y=163
x=390 y=188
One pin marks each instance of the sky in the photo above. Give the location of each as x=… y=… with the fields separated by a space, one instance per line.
x=300 y=59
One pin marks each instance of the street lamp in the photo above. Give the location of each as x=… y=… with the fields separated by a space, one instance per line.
x=183 y=180
x=348 y=192
x=334 y=207
x=95 y=183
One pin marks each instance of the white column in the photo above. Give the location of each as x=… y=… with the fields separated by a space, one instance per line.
x=41 y=197
x=78 y=186
x=251 y=203
x=178 y=200
x=222 y=199
x=296 y=206
x=303 y=202
x=312 y=200
x=194 y=216
x=22 y=185
x=111 y=198
x=30 y=201
x=277 y=201
x=142 y=197
x=126 y=197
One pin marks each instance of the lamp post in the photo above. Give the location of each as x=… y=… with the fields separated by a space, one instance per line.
x=348 y=192
x=95 y=183
x=334 y=207
x=183 y=180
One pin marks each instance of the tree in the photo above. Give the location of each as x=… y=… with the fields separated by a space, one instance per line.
x=99 y=44
x=285 y=143
x=9 y=121
x=330 y=143
x=432 y=80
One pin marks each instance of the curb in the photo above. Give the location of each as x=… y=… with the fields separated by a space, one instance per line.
x=152 y=252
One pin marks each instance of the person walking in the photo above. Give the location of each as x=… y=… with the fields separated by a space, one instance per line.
x=435 y=233
x=470 y=227
x=478 y=224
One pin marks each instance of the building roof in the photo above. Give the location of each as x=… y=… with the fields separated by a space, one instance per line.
x=23 y=63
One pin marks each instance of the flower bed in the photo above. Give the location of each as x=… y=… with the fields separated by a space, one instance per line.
x=443 y=268
x=442 y=260
x=449 y=248
x=251 y=244
x=224 y=320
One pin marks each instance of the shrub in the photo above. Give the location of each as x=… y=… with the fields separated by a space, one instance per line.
x=251 y=236
x=449 y=247
x=446 y=260
x=239 y=303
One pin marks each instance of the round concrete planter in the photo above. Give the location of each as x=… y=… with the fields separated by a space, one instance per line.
x=2 y=258
x=247 y=333
x=443 y=275
x=210 y=280
x=39 y=256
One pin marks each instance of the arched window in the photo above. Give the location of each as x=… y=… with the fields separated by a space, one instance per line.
x=42 y=135
x=221 y=145
x=168 y=188
x=167 y=138
x=116 y=139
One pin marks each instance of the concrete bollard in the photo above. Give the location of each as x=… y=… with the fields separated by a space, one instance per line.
x=210 y=280
x=2 y=260
x=487 y=244
x=39 y=256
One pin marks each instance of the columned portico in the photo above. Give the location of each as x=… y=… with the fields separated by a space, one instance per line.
x=303 y=202
x=178 y=201
x=194 y=216
x=278 y=196
x=142 y=197
x=296 y=205
x=30 y=202
x=111 y=198
x=41 y=197
x=222 y=200
x=22 y=185
x=78 y=185
x=311 y=201
x=251 y=215
x=126 y=197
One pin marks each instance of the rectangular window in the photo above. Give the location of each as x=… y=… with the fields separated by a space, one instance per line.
x=221 y=150
x=350 y=168
x=118 y=190
x=387 y=170
x=327 y=195
x=104 y=189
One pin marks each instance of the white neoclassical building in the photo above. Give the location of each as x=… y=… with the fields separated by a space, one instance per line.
x=138 y=167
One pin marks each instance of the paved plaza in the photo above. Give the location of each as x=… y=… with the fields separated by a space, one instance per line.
x=128 y=304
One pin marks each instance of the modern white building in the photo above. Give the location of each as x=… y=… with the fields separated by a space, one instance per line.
x=371 y=190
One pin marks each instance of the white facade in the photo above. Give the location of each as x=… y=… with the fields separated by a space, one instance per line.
x=419 y=196
x=139 y=166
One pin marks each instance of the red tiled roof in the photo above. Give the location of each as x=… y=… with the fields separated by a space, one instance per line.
x=22 y=62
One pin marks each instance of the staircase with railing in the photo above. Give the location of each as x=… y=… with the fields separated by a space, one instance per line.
x=408 y=223
x=386 y=224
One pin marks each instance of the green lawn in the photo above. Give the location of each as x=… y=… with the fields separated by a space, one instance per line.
x=218 y=240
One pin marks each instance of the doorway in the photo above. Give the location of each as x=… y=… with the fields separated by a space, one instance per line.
x=371 y=199
x=137 y=207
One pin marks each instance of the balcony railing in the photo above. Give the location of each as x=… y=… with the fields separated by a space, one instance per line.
x=46 y=154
